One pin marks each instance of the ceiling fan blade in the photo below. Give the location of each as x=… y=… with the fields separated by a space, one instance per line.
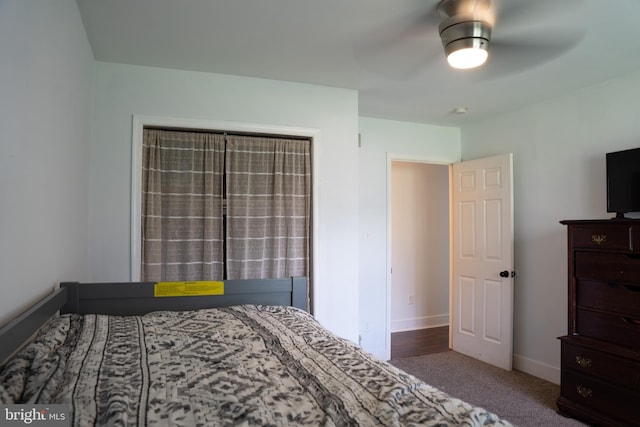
x=519 y=55
x=401 y=49
x=516 y=15
x=396 y=61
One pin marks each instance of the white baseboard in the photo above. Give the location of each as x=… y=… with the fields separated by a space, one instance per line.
x=419 y=323
x=537 y=369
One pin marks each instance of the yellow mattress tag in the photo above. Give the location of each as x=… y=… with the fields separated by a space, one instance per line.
x=185 y=289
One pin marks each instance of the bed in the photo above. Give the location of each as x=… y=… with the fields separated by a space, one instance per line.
x=250 y=354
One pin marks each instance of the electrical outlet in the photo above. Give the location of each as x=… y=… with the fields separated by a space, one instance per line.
x=410 y=299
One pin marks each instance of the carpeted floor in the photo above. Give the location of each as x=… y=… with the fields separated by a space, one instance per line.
x=522 y=399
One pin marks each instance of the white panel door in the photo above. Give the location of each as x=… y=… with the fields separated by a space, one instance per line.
x=482 y=299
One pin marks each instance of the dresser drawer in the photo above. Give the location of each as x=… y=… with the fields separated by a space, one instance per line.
x=605 y=366
x=617 y=402
x=623 y=298
x=601 y=237
x=607 y=266
x=608 y=327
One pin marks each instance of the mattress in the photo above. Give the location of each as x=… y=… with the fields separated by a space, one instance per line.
x=246 y=365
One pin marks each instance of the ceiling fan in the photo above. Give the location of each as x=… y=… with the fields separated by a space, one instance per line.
x=509 y=35
x=465 y=31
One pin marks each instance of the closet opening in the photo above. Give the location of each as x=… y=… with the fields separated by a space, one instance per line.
x=215 y=202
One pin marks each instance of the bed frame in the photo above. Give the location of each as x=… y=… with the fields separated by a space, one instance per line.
x=137 y=298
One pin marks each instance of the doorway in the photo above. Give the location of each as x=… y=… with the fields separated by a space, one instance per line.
x=420 y=248
x=481 y=303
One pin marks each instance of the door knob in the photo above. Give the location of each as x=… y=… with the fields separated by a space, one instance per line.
x=504 y=273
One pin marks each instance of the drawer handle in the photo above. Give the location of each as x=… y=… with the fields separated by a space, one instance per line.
x=583 y=362
x=628 y=288
x=584 y=391
x=598 y=238
x=632 y=288
x=630 y=321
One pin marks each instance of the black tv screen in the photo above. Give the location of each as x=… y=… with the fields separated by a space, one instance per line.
x=623 y=182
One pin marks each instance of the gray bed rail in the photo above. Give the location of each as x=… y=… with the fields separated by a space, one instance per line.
x=18 y=331
x=136 y=298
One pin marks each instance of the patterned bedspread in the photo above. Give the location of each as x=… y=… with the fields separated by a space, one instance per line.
x=244 y=365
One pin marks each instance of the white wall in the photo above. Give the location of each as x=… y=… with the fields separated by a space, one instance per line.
x=46 y=73
x=383 y=140
x=123 y=91
x=419 y=245
x=558 y=151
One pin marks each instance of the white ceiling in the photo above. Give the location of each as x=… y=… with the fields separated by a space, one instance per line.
x=389 y=50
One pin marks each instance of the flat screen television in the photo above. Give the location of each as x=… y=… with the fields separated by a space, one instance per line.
x=623 y=182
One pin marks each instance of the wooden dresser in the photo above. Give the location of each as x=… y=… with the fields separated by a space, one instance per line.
x=600 y=367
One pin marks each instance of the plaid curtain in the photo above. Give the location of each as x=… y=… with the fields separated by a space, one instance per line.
x=268 y=207
x=182 y=218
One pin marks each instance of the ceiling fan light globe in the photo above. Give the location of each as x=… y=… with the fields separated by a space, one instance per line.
x=466 y=58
